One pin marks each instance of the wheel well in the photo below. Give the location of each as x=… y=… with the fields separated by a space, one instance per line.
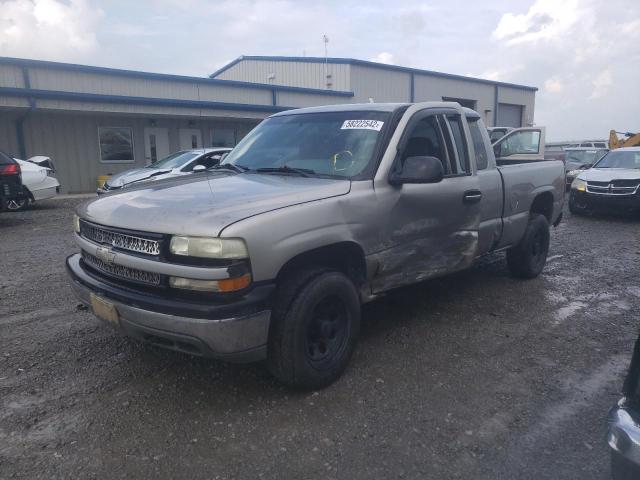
x=543 y=204
x=345 y=257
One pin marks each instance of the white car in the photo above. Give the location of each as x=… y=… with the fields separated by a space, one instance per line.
x=38 y=181
x=179 y=163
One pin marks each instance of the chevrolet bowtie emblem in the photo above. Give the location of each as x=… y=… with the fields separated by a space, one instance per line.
x=106 y=255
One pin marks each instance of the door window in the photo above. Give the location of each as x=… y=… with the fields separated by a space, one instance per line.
x=153 y=148
x=426 y=140
x=479 y=147
x=455 y=124
x=520 y=143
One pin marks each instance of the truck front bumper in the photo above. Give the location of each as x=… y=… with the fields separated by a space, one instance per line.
x=623 y=435
x=235 y=331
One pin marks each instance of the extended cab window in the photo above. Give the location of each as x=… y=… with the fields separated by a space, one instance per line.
x=426 y=140
x=479 y=148
x=457 y=132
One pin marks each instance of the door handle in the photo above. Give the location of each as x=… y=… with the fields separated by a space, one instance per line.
x=472 y=196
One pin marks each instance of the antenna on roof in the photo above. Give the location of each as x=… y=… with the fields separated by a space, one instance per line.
x=327 y=76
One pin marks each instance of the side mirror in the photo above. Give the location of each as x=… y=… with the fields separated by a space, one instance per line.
x=418 y=170
x=199 y=168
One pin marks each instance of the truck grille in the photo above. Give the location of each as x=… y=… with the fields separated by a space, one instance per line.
x=119 y=271
x=615 y=187
x=119 y=240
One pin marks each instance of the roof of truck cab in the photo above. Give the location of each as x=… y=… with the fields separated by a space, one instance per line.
x=347 y=107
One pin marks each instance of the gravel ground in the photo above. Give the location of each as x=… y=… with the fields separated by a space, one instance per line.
x=475 y=376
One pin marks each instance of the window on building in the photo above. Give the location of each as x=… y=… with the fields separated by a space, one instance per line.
x=194 y=141
x=223 y=137
x=116 y=144
x=479 y=148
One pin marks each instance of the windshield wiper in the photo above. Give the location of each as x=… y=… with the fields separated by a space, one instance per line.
x=230 y=166
x=303 y=172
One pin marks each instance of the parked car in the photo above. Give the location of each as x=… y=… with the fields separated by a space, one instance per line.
x=316 y=211
x=38 y=183
x=613 y=182
x=176 y=164
x=623 y=433
x=496 y=133
x=10 y=181
x=578 y=159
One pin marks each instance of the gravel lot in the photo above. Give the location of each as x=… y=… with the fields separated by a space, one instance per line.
x=471 y=376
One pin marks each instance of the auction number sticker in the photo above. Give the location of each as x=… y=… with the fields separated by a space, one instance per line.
x=362 y=125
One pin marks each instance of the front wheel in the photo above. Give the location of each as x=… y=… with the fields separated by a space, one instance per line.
x=527 y=259
x=622 y=468
x=577 y=208
x=314 y=328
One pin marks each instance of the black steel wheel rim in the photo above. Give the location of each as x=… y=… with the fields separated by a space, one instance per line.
x=327 y=331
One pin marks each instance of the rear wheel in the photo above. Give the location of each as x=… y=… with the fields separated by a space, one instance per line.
x=17 y=205
x=315 y=325
x=528 y=258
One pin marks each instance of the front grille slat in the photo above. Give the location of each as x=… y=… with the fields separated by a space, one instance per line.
x=120 y=271
x=614 y=187
x=120 y=240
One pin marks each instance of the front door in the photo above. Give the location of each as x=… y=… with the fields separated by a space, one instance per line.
x=190 y=138
x=433 y=228
x=156 y=144
x=520 y=145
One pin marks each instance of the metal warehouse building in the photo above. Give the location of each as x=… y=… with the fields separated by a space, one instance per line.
x=94 y=121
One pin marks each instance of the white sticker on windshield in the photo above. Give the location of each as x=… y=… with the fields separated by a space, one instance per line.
x=362 y=124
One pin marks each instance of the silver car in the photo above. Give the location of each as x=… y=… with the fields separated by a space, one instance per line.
x=176 y=164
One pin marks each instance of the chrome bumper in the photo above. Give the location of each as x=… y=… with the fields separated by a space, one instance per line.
x=241 y=338
x=623 y=434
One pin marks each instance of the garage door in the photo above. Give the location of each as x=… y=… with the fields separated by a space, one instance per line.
x=509 y=115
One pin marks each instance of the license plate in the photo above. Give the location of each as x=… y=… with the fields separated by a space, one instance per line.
x=105 y=310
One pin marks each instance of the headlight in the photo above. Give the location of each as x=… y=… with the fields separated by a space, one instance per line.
x=228 y=285
x=579 y=185
x=224 y=248
x=76 y=223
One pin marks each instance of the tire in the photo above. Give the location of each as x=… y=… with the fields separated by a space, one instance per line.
x=17 y=205
x=527 y=259
x=623 y=469
x=314 y=328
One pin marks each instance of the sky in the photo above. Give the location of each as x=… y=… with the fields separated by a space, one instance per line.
x=582 y=55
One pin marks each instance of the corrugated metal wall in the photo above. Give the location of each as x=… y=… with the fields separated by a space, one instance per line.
x=295 y=74
x=380 y=85
x=71 y=140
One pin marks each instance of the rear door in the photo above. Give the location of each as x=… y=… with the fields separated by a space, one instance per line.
x=520 y=145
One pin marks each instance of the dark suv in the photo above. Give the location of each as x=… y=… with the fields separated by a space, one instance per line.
x=10 y=180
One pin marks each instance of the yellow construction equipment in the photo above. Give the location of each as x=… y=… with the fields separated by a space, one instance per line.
x=628 y=140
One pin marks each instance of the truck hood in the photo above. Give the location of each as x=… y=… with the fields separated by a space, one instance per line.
x=135 y=175
x=608 y=174
x=203 y=205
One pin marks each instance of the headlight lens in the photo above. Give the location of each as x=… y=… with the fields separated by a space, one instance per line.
x=579 y=185
x=76 y=223
x=224 y=248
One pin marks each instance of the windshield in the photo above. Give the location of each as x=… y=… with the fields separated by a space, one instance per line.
x=584 y=157
x=618 y=159
x=175 y=160
x=338 y=144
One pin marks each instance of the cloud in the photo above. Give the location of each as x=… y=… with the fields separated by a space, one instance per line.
x=546 y=19
x=601 y=84
x=383 y=57
x=48 y=29
x=553 y=85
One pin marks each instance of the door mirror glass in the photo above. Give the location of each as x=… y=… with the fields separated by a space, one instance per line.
x=419 y=170
x=199 y=168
